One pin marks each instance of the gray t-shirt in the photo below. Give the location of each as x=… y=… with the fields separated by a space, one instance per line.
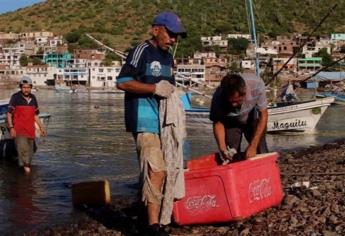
x=255 y=97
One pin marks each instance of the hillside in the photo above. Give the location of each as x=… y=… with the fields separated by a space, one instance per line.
x=121 y=23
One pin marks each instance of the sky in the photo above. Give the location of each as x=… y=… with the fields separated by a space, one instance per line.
x=12 y=5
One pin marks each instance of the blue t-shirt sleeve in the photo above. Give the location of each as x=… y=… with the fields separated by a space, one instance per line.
x=131 y=69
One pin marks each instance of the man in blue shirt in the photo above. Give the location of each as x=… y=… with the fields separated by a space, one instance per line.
x=147 y=77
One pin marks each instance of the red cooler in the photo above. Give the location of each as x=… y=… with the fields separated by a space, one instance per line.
x=221 y=193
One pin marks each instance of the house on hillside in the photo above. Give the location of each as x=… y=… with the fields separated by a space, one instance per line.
x=309 y=64
x=284 y=46
x=70 y=75
x=214 y=41
x=39 y=74
x=104 y=77
x=35 y=34
x=88 y=58
x=314 y=47
x=12 y=72
x=278 y=63
x=239 y=36
x=58 y=60
x=10 y=56
x=338 y=37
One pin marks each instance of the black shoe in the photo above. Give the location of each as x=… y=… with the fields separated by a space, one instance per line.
x=155 y=230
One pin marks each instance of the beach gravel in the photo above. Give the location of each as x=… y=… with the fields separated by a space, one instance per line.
x=314 y=204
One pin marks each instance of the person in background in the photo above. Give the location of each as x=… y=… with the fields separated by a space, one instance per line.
x=146 y=78
x=21 y=118
x=239 y=106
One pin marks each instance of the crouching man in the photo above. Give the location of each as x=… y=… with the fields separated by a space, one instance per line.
x=239 y=106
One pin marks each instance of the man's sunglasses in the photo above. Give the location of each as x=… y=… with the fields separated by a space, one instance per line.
x=171 y=34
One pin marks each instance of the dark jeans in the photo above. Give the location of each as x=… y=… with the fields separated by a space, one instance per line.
x=235 y=129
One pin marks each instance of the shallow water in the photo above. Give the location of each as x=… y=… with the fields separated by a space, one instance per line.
x=87 y=141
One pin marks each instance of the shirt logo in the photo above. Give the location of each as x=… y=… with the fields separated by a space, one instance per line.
x=156 y=68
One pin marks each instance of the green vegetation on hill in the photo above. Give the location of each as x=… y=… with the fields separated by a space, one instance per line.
x=122 y=23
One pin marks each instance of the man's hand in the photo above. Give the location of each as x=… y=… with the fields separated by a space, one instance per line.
x=13 y=132
x=43 y=131
x=227 y=155
x=164 y=89
x=250 y=152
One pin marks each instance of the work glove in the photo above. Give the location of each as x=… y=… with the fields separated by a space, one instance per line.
x=227 y=155
x=164 y=89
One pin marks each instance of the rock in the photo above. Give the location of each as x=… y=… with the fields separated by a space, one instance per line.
x=291 y=200
x=329 y=233
x=245 y=232
x=222 y=230
x=316 y=193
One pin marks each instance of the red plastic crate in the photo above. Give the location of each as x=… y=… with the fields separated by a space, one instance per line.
x=216 y=193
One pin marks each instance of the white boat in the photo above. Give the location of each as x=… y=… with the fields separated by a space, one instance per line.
x=65 y=89
x=339 y=97
x=300 y=116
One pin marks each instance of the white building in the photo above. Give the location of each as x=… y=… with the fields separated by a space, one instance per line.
x=238 y=36
x=39 y=74
x=266 y=51
x=310 y=49
x=11 y=56
x=248 y=64
x=214 y=41
x=88 y=58
x=104 y=77
x=8 y=36
x=12 y=72
x=201 y=55
x=34 y=35
x=190 y=71
x=338 y=37
x=41 y=41
x=55 y=41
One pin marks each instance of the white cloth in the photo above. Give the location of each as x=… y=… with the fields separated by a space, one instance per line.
x=173 y=133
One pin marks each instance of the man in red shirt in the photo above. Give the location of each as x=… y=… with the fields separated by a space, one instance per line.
x=21 y=118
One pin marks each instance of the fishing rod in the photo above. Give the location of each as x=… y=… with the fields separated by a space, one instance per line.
x=117 y=52
x=303 y=44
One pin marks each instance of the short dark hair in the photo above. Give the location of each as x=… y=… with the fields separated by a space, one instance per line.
x=232 y=83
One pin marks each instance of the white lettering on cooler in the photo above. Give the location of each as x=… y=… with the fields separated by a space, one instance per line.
x=259 y=189
x=201 y=202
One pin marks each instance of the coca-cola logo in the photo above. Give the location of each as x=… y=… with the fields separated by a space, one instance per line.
x=260 y=189
x=201 y=202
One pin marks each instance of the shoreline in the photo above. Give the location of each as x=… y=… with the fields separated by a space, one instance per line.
x=314 y=188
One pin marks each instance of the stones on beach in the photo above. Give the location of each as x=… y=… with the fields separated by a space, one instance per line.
x=314 y=204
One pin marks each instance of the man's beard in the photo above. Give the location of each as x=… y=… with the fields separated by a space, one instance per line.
x=234 y=111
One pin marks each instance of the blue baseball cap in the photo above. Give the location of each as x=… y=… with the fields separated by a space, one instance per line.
x=171 y=21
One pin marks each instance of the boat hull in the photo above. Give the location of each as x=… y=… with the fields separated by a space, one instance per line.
x=302 y=116
x=297 y=117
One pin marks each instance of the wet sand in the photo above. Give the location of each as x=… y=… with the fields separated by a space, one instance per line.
x=318 y=208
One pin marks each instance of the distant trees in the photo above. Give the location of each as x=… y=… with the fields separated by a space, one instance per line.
x=23 y=60
x=73 y=37
x=77 y=39
x=238 y=46
x=326 y=57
